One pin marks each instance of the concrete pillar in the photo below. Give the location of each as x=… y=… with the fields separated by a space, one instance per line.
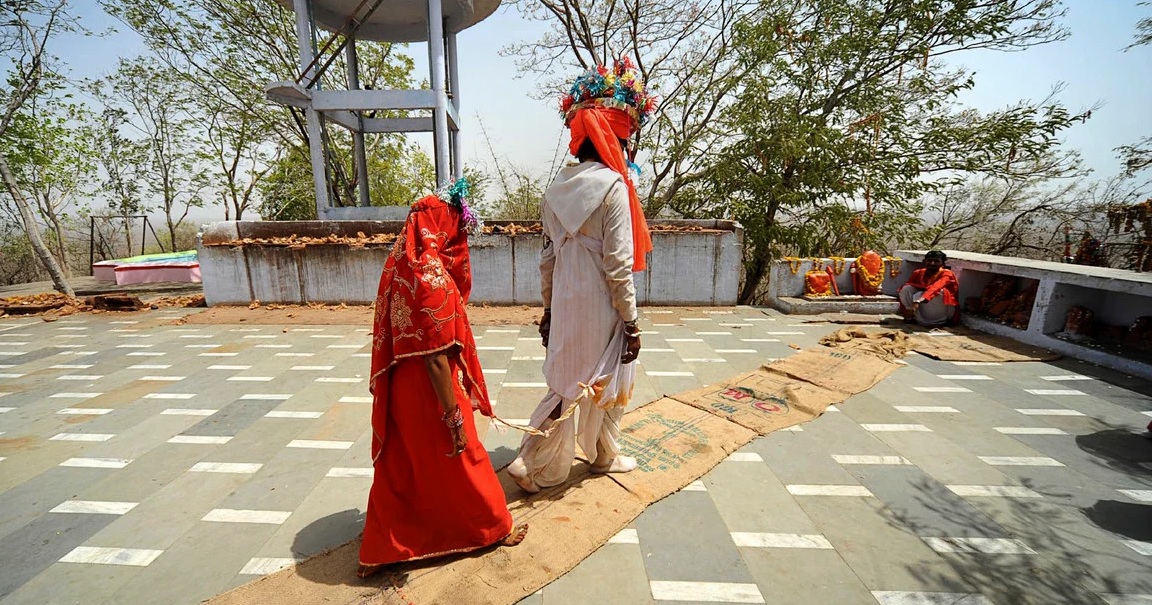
x=358 y=150
x=303 y=9
x=436 y=49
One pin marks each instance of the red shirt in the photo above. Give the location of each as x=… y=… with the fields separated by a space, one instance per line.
x=942 y=282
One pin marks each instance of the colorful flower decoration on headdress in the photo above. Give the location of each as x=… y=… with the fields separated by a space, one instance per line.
x=621 y=87
x=457 y=194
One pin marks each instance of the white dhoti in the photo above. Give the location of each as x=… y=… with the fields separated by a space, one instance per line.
x=930 y=312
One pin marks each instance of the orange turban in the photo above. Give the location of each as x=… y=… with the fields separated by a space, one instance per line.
x=605 y=127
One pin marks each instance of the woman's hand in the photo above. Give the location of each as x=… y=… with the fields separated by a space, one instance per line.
x=546 y=326
x=459 y=439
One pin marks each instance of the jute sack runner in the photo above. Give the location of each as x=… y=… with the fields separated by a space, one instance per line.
x=972 y=346
x=889 y=344
x=674 y=444
x=792 y=390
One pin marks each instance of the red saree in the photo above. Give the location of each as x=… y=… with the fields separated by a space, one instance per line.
x=423 y=503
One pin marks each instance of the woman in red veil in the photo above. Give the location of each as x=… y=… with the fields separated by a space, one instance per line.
x=434 y=491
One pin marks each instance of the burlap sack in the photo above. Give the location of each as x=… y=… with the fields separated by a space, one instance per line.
x=978 y=347
x=843 y=371
x=763 y=401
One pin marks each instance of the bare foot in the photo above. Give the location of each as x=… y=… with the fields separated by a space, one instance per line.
x=365 y=571
x=516 y=537
x=621 y=464
x=519 y=473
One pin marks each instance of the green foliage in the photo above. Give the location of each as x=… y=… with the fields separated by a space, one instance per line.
x=846 y=117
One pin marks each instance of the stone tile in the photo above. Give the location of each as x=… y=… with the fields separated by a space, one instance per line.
x=613 y=574
x=700 y=550
x=34 y=547
x=803 y=577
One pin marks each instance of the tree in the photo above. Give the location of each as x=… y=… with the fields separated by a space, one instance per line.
x=26 y=29
x=1138 y=156
x=157 y=110
x=227 y=51
x=122 y=159
x=848 y=115
x=684 y=50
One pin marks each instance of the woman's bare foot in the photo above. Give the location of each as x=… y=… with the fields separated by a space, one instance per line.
x=517 y=535
x=519 y=473
x=365 y=571
x=620 y=464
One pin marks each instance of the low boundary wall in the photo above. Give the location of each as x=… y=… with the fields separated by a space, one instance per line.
x=694 y=263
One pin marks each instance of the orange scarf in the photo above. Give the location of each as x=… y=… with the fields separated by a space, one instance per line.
x=605 y=127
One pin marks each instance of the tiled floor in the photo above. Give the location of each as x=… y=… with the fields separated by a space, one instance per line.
x=154 y=463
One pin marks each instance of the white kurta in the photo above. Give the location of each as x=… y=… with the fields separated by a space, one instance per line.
x=586 y=279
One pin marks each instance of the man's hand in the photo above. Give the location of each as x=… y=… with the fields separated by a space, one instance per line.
x=631 y=349
x=545 y=326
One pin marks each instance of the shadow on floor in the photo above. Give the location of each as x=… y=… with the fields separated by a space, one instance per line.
x=1121 y=449
x=1129 y=519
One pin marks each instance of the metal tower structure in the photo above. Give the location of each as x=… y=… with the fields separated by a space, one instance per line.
x=435 y=21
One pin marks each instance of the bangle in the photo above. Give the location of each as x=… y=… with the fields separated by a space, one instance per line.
x=454 y=419
x=631 y=329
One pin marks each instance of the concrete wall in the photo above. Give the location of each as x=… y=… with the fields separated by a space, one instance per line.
x=686 y=267
x=1117 y=297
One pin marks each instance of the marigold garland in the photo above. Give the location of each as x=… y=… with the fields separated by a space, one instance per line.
x=874 y=280
x=794 y=263
x=893 y=265
x=838 y=263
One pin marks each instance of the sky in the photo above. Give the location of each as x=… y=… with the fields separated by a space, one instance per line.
x=527 y=133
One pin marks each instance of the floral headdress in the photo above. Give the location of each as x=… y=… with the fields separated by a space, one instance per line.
x=621 y=87
x=457 y=195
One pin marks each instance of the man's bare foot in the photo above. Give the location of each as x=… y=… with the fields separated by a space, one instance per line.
x=519 y=473
x=365 y=571
x=620 y=464
x=517 y=535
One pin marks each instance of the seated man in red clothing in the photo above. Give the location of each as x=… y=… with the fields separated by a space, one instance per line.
x=931 y=294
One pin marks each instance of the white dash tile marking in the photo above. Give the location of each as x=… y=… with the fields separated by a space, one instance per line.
x=235 y=515
x=94 y=507
x=96 y=462
x=262 y=566
x=287 y=414
x=240 y=468
x=990 y=546
x=188 y=412
x=745 y=457
x=770 y=540
x=1143 y=548
x=134 y=557
x=71 y=366
x=993 y=491
x=161 y=378
x=1048 y=412
x=865 y=459
x=709 y=592
x=250 y=378
x=150 y=366
x=1020 y=461
x=266 y=396
x=896 y=597
x=347 y=380
x=352 y=399
x=829 y=490
x=1139 y=495
x=84 y=377
x=350 y=472
x=1027 y=430
x=313 y=444
x=200 y=439
x=964 y=377
x=943 y=389
x=74 y=395
x=896 y=428
x=170 y=396
x=1065 y=378
x=927 y=409
x=627 y=535
x=84 y=411
x=695 y=486
x=1054 y=392
x=93 y=437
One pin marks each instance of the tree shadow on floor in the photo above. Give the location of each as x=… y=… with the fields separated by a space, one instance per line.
x=1073 y=561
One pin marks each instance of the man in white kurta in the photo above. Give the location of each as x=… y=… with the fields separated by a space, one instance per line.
x=586 y=282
